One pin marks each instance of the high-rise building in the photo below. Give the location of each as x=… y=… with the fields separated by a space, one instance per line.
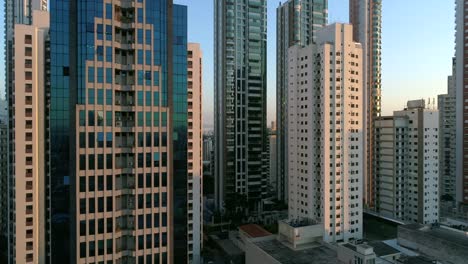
x=447 y=141
x=407 y=179
x=461 y=82
x=3 y=186
x=118 y=132
x=28 y=142
x=272 y=159
x=195 y=152
x=297 y=22
x=366 y=18
x=240 y=102
x=325 y=133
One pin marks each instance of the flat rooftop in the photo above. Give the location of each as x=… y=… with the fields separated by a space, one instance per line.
x=254 y=230
x=453 y=236
x=283 y=254
x=381 y=249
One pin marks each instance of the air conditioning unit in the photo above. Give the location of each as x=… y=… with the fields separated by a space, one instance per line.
x=118 y=123
x=117 y=102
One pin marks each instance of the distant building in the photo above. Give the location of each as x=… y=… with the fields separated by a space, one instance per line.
x=325 y=133
x=273 y=152
x=407 y=178
x=240 y=102
x=297 y=22
x=366 y=18
x=447 y=141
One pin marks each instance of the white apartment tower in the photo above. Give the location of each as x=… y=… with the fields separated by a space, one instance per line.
x=27 y=187
x=407 y=179
x=195 y=152
x=325 y=133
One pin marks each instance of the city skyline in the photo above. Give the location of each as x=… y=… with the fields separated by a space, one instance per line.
x=395 y=80
x=400 y=81
x=234 y=131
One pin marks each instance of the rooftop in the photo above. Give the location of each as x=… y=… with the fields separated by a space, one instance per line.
x=382 y=249
x=283 y=254
x=416 y=260
x=448 y=234
x=254 y=230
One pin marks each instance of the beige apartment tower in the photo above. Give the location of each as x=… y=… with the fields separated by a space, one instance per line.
x=195 y=152
x=27 y=187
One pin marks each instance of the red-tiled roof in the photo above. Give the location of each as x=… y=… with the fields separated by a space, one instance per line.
x=254 y=230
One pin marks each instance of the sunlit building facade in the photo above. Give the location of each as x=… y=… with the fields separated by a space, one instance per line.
x=118 y=128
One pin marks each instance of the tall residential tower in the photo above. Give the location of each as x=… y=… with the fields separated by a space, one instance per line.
x=366 y=18
x=240 y=101
x=325 y=133
x=195 y=152
x=25 y=57
x=461 y=79
x=297 y=22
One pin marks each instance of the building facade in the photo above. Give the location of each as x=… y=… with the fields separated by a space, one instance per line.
x=366 y=18
x=118 y=128
x=297 y=22
x=26 y=204
x=272 y=159
x=325 y=133
x=407 y=155
x=461 y=80
x=195 y=152
x=447 y=140
x=240 y=102
x=3 y=180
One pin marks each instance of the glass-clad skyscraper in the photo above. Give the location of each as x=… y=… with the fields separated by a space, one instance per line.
x=118 y=129
x=366 y=18
x=297 y=22
x=240 y=102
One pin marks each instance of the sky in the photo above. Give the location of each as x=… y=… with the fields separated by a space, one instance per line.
x=417 y=49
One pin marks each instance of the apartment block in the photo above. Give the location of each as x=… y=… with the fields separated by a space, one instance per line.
x=195 y=152
x=407 y=179
x=297 y=22
x=325 y=133
x=27 y=196
x=366 y=18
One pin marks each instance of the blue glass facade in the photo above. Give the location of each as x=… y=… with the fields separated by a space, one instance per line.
x=122 y=72
x=60 y=132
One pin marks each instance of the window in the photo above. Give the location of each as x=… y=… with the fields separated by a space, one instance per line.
x=109 y=78
x=91 y=74
x=108 y=118
x=28 y=75
x=28 y=39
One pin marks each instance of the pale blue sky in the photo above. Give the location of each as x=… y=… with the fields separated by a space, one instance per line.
x=418 y=44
